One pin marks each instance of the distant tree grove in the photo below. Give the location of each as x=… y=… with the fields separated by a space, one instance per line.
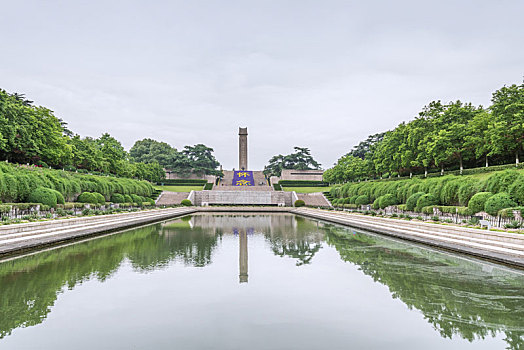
x=443 y=136
x=34 y=135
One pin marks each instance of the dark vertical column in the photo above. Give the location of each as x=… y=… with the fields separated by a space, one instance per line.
x=242 y=148
x=242 y=260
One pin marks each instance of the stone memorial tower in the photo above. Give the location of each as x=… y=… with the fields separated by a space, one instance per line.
x=242 y=148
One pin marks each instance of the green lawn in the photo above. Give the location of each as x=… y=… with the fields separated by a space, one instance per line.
x=179 y=188
x=306 y=189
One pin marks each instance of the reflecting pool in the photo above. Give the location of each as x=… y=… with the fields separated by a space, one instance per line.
x=274 y=281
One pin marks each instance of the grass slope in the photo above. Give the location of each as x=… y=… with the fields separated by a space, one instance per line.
x=306 y=189
x=179 y=188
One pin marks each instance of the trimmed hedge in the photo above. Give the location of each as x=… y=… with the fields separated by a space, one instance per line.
x=100 y=199
x=59 y=198
x=411 y=202
x=18 y=182
x=118 y=198
x=426 y=200
x=208 y=186
x=516 y=190
x=362 y=200
x=497 y=202
x=508 y=212
x=387 y=200
x=87 y=197
x=478 y=201
x=186 y=202
x=44 y=196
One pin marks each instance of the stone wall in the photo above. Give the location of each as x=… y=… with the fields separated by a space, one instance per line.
x=175 y=176
x=242 y=198
x=300 y=175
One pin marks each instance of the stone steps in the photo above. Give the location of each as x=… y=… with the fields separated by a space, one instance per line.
x=171 y=198
x=314 y=199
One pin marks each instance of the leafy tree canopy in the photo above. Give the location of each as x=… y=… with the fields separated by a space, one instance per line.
x=301 y=159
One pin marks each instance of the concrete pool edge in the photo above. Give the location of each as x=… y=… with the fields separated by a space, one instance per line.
x=455 y=242
x=75 y=231
x=463 y=248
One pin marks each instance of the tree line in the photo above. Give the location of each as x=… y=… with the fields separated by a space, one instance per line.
x=34 y=135
x=442 y=136
x=300 y=159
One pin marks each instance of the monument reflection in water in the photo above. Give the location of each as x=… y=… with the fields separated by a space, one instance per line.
x=242 y=255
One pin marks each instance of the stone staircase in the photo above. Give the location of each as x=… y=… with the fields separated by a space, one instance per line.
x=314 y=199
x=171 y=198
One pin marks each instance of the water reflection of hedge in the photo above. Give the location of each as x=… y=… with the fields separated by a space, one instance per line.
x=29 y=286
x=456 y=296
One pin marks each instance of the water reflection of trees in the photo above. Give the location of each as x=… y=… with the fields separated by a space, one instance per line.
x=300 y=239
x=455 y=295
x=29 y=286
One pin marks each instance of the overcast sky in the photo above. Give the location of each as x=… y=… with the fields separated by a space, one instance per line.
x=318 y=74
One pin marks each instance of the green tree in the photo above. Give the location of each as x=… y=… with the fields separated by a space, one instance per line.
x=200 y=160
x=508 y=113
x=149 y=151
x=300 y=159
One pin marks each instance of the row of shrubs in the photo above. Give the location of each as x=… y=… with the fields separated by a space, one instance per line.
x=499 y=191
x=52 y=198
x=302 y=183
x=18 y=183
x=436 y=172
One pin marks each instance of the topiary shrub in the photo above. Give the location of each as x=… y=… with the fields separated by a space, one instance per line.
x=59 y=197
x=362 y=200
x=345 y=201
x=118 y=198
x=100 y=198
x=387 y=200
x=44 y=196
x=497 y=202
x=87 y=197
x=352 y=199
x=411 y=203
x=426 y=200
x=467 y=190
x=516 y=190
x=501 y=182
x=299 y=203
x=478 y=201
x=376 y=203
x=186 y=202
x=136 y=199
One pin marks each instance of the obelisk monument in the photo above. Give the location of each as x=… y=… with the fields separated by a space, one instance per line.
x=242 y=148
